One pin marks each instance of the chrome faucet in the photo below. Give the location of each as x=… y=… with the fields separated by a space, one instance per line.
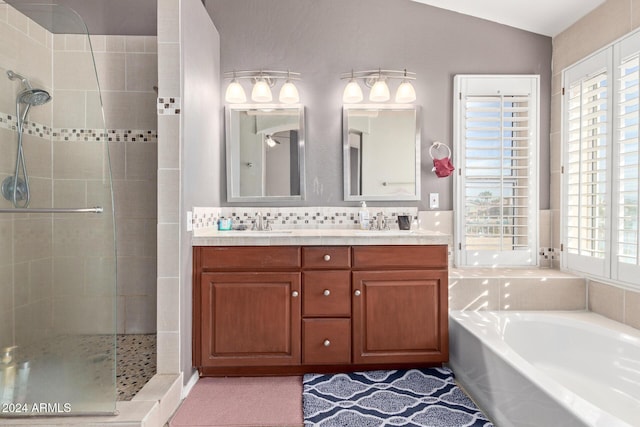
x=260 y=223
x=380 y=223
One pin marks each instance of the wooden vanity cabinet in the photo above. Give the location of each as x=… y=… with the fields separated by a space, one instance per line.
x=249 y=316
x=291 y=309
x=326 y=305
x=400 y=304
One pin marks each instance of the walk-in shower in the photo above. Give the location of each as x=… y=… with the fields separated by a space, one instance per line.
x=57 y=232
x=16 y=188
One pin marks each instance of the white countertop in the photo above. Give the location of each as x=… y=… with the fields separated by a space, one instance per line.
x=211 y=237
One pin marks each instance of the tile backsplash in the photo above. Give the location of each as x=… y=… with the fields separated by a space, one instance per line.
x=297 y=217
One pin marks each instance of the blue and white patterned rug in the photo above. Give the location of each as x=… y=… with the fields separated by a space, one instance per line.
x=411 y=398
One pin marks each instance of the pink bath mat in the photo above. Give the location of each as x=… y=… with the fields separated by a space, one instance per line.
x=242 y=402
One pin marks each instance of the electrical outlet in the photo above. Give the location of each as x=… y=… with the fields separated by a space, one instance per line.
x=434 y=201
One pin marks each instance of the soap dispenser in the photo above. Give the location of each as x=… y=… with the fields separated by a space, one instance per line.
x=363 y=216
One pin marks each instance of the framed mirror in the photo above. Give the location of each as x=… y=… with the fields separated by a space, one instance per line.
x=381 y=152
x=265 y=152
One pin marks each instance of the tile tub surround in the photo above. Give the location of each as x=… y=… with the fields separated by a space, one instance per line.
x=515 y=289
x=616 y=303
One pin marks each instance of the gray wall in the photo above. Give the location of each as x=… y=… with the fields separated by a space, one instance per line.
x=322 y=39
x=200 y=149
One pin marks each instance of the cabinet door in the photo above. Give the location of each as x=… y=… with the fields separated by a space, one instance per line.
x=400 y=316
x=250 y=319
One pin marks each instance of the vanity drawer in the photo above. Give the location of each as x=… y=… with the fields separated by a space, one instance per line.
x=326 y=257
x=326 y=341
x=385 y=257
x=250 y=258
x=326 y=293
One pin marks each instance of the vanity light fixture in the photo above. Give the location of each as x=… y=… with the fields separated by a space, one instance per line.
x=289 y=92
x=405 y=93
x=263 y=81
x=379 y=91
x=353 y=92
x=261 y=91
x=377 y=81
x=235 y=94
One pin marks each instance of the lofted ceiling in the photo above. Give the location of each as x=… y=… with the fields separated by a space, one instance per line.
x=546 y=17
x=139 y=17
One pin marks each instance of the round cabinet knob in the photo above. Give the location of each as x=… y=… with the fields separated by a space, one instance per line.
x=326 y=343
x=295 y=294
x=326 y=292
x=357 y=293
x=327 y=257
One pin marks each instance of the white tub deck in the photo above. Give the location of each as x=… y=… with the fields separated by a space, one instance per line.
x=548 y=368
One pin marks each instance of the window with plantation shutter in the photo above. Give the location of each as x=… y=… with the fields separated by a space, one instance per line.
x=585 y=169
x=496 y=138
x=627 y=144
x=600 y=210
x=626 y=263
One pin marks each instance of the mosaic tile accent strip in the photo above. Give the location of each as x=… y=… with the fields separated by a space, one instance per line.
x=297 y=217
x=206 y=217
x=169 y=106
x=112 y=135
x=8 y=121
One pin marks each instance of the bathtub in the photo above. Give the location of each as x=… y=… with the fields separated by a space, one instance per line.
x=548 y=368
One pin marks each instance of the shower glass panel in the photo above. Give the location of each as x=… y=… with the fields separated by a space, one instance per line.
x=57 y=236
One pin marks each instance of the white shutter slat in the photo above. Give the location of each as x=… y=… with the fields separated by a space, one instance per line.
x=626 y=249
x=586 y=170
x=493 y=171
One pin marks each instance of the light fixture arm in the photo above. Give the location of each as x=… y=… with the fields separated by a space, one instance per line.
x=268 y=75
x=379 y=73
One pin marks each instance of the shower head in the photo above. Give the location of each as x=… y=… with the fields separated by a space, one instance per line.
x=34 y=97
x=29 y=96
x=13 y=76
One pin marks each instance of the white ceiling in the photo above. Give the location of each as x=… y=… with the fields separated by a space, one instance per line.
x=547 y=17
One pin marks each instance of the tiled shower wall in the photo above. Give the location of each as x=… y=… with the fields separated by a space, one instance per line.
x=25 y=310
x=128 y=72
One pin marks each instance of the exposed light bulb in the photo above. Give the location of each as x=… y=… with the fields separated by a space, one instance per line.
x=405 y=93
x=379 y=92
x=352 y=93
x=261 y=91
x=235 y=93
x=289 y=93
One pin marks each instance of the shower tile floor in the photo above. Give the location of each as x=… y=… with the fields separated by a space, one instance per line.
x=64 y=365
x=136 y=363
